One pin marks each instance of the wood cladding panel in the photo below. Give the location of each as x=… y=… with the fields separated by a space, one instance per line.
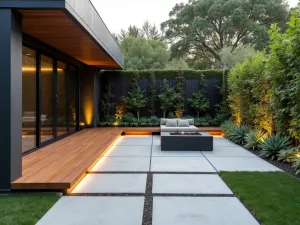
x=57 y=29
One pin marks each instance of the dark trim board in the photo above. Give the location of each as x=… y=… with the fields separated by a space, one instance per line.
x=36 y=4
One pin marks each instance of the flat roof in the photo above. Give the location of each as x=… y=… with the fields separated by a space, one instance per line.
x=71 y=26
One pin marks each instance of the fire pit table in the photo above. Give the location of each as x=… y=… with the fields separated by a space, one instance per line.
x=186 y=141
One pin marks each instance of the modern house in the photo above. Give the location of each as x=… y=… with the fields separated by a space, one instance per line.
x=51 y=54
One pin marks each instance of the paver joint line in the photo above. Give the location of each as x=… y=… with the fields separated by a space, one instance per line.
x=128 y=161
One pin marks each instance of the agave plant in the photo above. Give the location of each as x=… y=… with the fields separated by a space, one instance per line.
x=254 y=138
x=227 y=126
x=237 y=134
x=296 y=166
x=272 y=145
x=288 y=155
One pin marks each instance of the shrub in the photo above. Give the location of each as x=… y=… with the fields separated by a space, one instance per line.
x=204 y=121
x=272 y=145
x=254 y=138
x=227 y=126
x=220 y=118
x=107 y=101
x=283 y=68
x=154 y=121
x=296 y=166
x=288 y=155
x=171 y=115
x=249 y=95
x=129 y=118
x=238 y=133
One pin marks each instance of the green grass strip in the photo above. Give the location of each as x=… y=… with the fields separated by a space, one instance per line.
x=25 y=209
x=273 y=197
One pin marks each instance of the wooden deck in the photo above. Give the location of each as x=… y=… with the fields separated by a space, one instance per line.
x=61 y=165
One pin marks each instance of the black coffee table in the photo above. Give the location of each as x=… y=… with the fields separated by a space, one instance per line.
x=187 y=142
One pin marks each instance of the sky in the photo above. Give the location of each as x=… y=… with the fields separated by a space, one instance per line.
x=118 y=14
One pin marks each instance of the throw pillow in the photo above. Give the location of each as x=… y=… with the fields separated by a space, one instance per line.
x=191 y=121
x=171 y=123
x=183 y=123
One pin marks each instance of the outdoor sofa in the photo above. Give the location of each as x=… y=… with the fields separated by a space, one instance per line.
x=173 y=125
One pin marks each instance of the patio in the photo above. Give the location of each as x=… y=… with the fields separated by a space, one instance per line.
x=135 y=183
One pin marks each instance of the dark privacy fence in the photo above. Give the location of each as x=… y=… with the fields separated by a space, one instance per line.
x=121 y=82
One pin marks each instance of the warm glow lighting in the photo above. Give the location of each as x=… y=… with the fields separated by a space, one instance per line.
x=33 y=69
x=82 y=124
x=88 y=112
x=83 y=180
x=116 y=124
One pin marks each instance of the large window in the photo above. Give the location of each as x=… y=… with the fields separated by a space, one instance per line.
x=49 y=99
x=73 y=78
x=28 y=99
x=46 y=104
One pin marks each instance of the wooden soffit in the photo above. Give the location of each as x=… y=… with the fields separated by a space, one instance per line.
x=58 y=29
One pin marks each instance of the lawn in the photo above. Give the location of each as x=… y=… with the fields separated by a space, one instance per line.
x=273 y=197
x=24 y=209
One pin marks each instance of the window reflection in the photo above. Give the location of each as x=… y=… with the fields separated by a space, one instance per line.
x=46 y=98
x=61 y=99
x=28 y=99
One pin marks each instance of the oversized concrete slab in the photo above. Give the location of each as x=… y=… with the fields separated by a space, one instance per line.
x=112 y=183
x=133 y=140
x=157 y=152
x=156 y=139
x=122 y=164
x=200 y=210
x=180 y=164
x=220 y=141
x=95 y=210
x=129 y=151
x=241 y=164
x=189 y=184
x=226 y=151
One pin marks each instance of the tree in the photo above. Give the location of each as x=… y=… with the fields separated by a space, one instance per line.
x=151 y=32
x=152 y=93
x=179 y=94
x=199 y=101
x=202 y=28
x=140 y=53
x=231 y=58
x=177 y=64
x=107 y=101
x=135 y=99
x=166 y=97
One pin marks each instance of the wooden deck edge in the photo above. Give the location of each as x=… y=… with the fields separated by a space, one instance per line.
x=81 y=177
x=69 y=186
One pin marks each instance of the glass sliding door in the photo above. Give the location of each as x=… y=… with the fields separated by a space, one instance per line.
x=73 y=79
x=46 y=99
x=49 y=99
x=28 y=99
x=61 y=96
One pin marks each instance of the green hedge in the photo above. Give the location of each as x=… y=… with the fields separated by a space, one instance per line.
x=170 y=74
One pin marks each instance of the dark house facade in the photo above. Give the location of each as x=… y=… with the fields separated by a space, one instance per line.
x=50 y=58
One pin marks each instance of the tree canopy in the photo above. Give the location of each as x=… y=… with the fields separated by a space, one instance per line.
x=140 y=53
x=202 y=28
